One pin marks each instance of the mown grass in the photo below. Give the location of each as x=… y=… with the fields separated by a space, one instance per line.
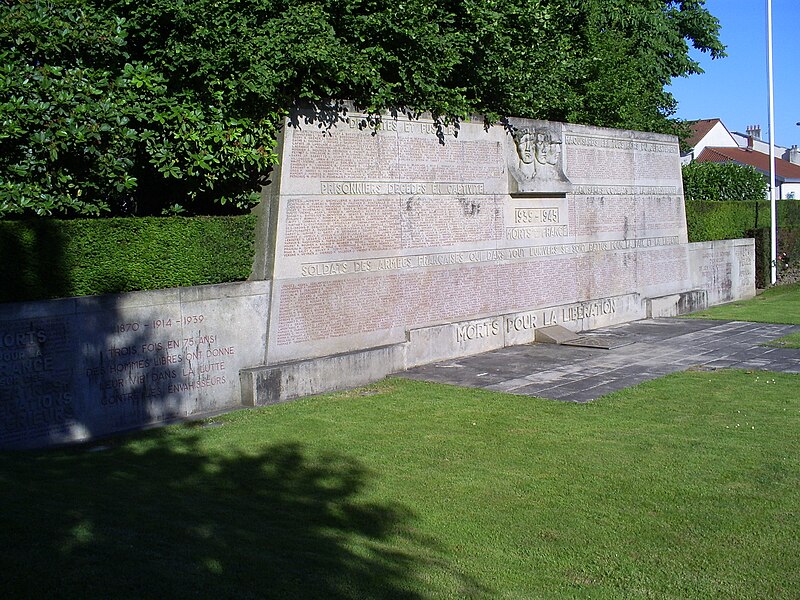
x=788 y=341
x=780 y=304
x=684 y=487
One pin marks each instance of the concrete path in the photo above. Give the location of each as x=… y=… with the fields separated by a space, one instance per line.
x=653 y=348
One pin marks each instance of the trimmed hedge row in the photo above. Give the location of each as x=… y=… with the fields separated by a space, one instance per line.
x=50 y=258
x=732 y=219
x=708 y=221
x=728 y=220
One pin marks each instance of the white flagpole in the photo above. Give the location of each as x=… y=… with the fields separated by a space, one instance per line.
x=772 y=203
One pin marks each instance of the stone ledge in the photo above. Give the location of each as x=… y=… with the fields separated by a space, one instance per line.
x=276 y=383
x=674 y=305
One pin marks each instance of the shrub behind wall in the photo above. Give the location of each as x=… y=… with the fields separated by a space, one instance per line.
x=709 y=181
x=50 y=258
x=722 y=220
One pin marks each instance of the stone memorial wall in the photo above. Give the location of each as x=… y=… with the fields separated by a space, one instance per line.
x=380 y=249
x=74 y=369
x=470 y=239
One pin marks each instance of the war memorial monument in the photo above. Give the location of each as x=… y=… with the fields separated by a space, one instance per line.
x=379 y=249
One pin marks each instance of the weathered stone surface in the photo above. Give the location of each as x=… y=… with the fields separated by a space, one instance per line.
x=674 y=305
x=78 y=368
x=555 y=334
x=402 y=236
x=725 y=269
x=279 y=383
x=640 y=351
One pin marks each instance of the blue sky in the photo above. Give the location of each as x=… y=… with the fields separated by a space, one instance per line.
x=734 y=88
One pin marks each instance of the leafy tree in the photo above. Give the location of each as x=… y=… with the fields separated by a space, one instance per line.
x=65 y=109
x=632 y=49
x=723 y=181
x=177 y=101
x=90 y=128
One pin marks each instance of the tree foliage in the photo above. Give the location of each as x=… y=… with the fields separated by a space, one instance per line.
x=632 y=49
x=722 y=181
x=89 y=127
x=65 y=110
x=123 y=106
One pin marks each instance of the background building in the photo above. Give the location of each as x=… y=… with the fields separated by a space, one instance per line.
x=711 y=141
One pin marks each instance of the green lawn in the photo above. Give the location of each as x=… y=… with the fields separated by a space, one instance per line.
x=788 y=341
x=684 y=487
x=779 y=304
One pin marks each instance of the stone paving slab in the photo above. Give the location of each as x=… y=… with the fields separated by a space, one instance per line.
x=656 y=347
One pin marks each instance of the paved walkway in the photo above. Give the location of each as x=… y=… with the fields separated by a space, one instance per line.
x=653 y=348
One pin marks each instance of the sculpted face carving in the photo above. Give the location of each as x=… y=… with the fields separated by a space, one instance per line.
x=547 y=150
x=536 y=165
x=526 y=142
x=537 y=145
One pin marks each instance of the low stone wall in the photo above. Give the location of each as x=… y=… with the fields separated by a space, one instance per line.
x=725 y=269
x=76 y=368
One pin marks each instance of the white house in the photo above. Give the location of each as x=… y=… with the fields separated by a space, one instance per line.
x=752 y=138
x=712 y=142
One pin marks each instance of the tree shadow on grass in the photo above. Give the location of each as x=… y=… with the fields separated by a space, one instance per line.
x=161 y=517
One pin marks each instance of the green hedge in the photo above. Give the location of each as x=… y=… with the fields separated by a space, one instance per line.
x=761 y=235
x=50 y=258
x=730 y=220
x=735 y=219
x=724 y=220
x=711 y=181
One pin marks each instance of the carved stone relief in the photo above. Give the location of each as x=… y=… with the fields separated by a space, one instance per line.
x=536 y=164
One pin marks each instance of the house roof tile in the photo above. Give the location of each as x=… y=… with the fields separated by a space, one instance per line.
x=699 y=130
x=784 y=170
